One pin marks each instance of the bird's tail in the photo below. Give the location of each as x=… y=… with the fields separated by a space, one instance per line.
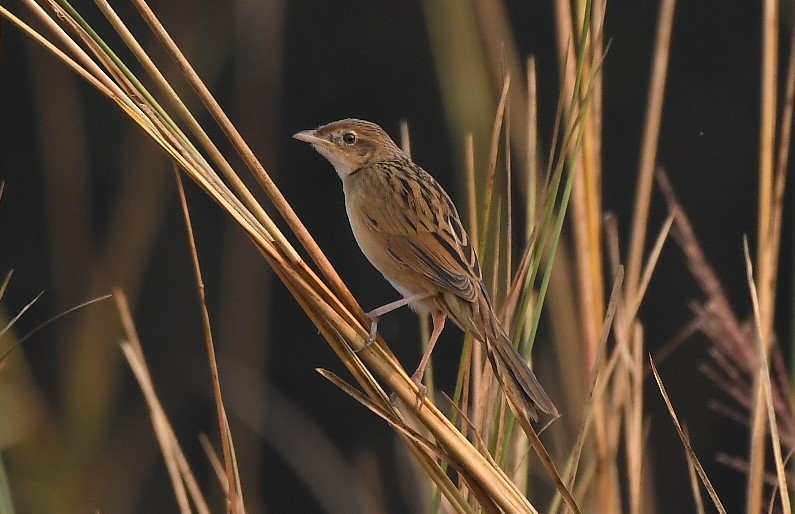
x=512 y=372
x=478 y=318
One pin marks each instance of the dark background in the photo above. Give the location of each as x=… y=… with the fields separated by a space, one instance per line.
x=89 y=205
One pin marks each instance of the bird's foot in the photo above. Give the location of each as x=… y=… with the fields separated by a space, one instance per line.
x=373 y=330
x=422 y=392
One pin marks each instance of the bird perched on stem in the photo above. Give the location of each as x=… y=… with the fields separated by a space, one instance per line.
x=409 y=229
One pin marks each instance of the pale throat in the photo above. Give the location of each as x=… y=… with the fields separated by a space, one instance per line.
x=342 y=167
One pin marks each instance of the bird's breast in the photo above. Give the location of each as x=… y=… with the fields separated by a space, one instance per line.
x=371 y=241
x=368 y=230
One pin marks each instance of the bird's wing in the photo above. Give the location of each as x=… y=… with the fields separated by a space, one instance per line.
x=432 y=257
x=423 y=232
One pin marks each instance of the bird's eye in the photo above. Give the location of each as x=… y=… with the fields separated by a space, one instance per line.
x=349 y=138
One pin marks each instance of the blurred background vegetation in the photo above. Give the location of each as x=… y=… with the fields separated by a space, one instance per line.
x=89 y=204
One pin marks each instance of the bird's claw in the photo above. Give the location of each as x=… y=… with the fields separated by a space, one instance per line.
x=373 y=331
x=422 y=392
x=370 y=341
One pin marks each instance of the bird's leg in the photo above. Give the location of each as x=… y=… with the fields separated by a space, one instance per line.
x=375 y=314
x=438 y=325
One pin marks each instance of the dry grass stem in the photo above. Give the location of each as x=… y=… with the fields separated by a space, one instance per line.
x=472 y=202
x=16 y=317
x=765 y=259
x=183 y=481
x=695 y=484
x=215 y=463
x=494 y=146
x=88 y=70
x=426 y=451
x=599 y=375
x=648 y=269
x=253 y=164
x=586 y=205
x=651 y=133
x=691 y=454
x=405 y=138
x=531 y=165
x=699 y=266
x=509 y=235
x=235 y=494
x=4 y=283
x=40 y=326
x=766 y=388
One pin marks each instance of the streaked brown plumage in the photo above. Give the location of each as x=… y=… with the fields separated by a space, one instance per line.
x=409 y=229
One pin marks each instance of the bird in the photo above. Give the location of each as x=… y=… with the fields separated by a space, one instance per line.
x=410 y=231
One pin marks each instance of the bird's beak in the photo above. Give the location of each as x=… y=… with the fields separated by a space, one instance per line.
x=309 y=136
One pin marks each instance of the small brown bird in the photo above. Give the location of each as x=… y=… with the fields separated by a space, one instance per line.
x=409 y=229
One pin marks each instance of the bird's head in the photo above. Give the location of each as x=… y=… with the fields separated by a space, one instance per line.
x=351 y=144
